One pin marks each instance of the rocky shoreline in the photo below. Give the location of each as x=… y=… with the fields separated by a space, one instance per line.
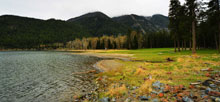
x=206 y=91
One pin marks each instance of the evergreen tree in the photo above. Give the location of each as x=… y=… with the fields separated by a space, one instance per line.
x=174 y=22
x=191 y=6
x=214 y=19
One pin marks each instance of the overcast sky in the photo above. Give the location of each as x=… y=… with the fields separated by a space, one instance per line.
x=65 y=9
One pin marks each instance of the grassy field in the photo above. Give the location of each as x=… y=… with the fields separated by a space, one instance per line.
x=158 y=54
x=150 y=65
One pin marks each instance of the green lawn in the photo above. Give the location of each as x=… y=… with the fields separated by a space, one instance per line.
x=159 y=54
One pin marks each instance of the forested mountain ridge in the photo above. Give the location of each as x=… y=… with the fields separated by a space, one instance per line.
x=24 y=32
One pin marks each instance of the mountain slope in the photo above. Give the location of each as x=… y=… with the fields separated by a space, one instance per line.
x=160 y=21
x=99 y=24
x=18 y=32
x=145 y=24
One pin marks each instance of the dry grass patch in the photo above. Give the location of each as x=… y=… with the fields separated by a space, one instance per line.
x=114 y=90
x=145 y=88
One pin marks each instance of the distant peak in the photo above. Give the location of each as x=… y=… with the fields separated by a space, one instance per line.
x=158 y=15
x=96 y=14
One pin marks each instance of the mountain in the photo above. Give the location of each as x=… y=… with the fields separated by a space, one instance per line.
x=160 y=21
x=23 y=32
x=99 y=24
x=145 y=24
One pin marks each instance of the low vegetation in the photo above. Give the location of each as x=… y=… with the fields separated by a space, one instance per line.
x=150 y=65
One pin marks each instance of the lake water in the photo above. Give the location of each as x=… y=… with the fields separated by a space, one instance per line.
x=40 y=76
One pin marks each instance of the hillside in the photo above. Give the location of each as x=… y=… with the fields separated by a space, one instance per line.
x=24 y=32
x=160 y=21
x=99 y=24
x=145 y=24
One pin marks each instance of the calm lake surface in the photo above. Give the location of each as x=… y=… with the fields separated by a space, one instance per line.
x=40 y=76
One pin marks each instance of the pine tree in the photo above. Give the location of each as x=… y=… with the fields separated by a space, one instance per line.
x=191 y=6
x=214 y=18
x=173 y=17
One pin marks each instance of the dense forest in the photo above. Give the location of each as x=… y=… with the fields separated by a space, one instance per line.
x=195 y=23
x=192 y=25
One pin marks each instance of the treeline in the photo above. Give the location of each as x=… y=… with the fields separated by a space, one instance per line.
x=196 y=24
x=132 y=40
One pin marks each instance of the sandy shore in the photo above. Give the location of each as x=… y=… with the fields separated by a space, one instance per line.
x=109 y=62
x=111 y=56
x=108 y=65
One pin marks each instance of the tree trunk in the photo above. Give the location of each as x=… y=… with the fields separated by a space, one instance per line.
x=190 y=45
x=218 y=9
x=182 y=45
x=151 y=44
x=178 y=44
x=216 y=41
x=185 y=44
x=219 y=37
x=204 y=43
x=174 y=45
x=194 y=37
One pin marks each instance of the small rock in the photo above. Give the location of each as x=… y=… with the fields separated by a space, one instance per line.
x=157 y=84
x=161 y=95
x=169 y=72
x=153 y=95
x=149 y=97
x=207 y=75
x=191 y=86
x=217 y=100
x=143 y=98
x=179 y=99
x=154 y=92
x=113 y=100
x=155 y=100
x=181 y=87
x=187 y=99
x=128 y=100
x=205 y=69
x=180 y=94
x=208 y=90
x=207 y=63
x=165 y=100
x=210 y=69
x=213 y=86
x=205 y=96
x=214 y=93
x=134 y=87
x=206 y=83
x=105 y=99
x=195 y=83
